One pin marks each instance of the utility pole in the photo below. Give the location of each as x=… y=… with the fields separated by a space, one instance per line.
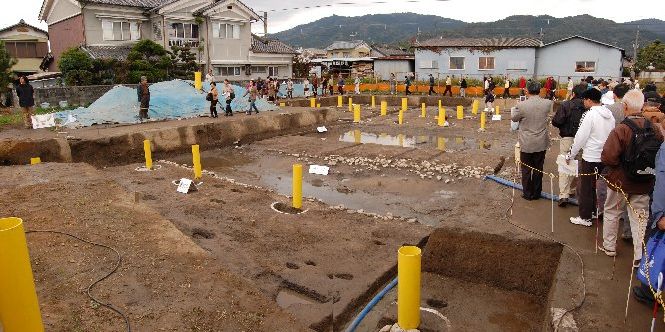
x=265 y=24
x=636 y=44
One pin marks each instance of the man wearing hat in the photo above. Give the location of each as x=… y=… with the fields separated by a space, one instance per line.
x=595 y=127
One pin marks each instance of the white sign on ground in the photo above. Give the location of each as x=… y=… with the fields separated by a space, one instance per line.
x=43 y=121
x=186 y=186
x=321 y=129
x=319 y=170
x=496 y=117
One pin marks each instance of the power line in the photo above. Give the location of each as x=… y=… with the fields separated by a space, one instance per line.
x=347 y=3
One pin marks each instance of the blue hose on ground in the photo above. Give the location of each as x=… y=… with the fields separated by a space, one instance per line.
x=371 y=305
x=519 y=187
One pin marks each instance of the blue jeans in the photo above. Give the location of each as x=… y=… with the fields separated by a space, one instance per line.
x=252 y=105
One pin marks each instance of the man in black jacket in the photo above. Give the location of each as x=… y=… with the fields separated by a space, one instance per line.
x=568 y=119
x=26 y=100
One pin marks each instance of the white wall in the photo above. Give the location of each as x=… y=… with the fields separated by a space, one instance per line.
x=511 y=61
x=559 y=59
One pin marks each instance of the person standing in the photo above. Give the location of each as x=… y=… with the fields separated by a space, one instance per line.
x=431 y=85
x=340 y=85
x=229 y=95
x=595 y=126
x=615 y=156
x=462 y=87
x=26 y=100
x=214 y=95
x=315 y=85
x=305 y=87
x=289 y=88
x=522 y=85
x=324 y=85
x=209 y=76
x=407 y=85
x=144 y=90
x=506 y=88
x=567 y=118
x=393 y=84
x=449 y=86
x=569 y=88
x=356 y=83
x=533 y=135
x=253 y=94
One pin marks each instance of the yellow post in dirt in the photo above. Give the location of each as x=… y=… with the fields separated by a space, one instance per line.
x=19 y=308
x=440 y=104
x=483 y=119
x=460 y=112
x=441 y=143
x=405 y=103
x=384 y=108
x=340 y=101
x=408 y=287
x=282 y=104
x=497 y=111
x=312 y=102
x=148 y=154
x=318 y=105
x=400 y=117
x=35 y=160
x=297 y=186
x=196 y=161
x=373 y=102
x=442 y=116
x=423 y=111
x=350 y=104
x=197 y=81
x=356 y=113
x=474 y=107
x=357 y=136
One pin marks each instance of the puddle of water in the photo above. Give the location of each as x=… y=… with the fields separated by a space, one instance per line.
x=407 y=141
x=287 y=298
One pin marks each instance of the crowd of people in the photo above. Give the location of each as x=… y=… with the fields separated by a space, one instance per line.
x=614 y=131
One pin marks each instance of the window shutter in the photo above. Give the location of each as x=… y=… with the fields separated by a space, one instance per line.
x=134 y=30
x=236 y=31
x=215 y=30
x=107 y=30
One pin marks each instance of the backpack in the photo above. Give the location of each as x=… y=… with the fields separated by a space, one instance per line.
x=209 y=96
x=639 y=159
x=653 y=262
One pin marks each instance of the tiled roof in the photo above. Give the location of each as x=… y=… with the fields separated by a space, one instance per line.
x=389 y=51
x=585 y=38
x=262 y=45
x=344 y=45
x=22 y=22
x=133 y=3
x=504 y=42
x=108 y=52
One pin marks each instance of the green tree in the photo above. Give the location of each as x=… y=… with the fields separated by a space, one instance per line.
x=183 y=63
x=651 y=55
x=301 y=66
x=149 y=59
x=76 y=67
x=6 y=64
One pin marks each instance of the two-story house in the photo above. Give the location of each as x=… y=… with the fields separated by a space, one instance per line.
x=348 y=49
x=26 y=43
x=219 y=32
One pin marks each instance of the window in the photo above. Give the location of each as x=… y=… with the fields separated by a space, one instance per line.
x=585 y=66
x=184 y=30
x=227 y=71
x=456 y=63
x=486 y=63
x=259 y=69
x=273 y=71
x=26 y=49
x=429 y=64
x=345 y=54
x=120 y=30
x=226 y=31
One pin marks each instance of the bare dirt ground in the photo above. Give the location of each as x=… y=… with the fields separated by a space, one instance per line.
x=221 y=259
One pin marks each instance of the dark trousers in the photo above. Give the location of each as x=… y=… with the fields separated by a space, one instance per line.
x=532 y=181
x=449 y=90
x=586 y=194
x=407 y=90
x=431 y=90
x=340 y=89
x=213 y=108
x=228 y=110
x=506 y=93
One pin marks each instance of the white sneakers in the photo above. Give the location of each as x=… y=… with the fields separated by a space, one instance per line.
x=580 y=221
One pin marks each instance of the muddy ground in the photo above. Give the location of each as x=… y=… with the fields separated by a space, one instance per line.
x=220 y=259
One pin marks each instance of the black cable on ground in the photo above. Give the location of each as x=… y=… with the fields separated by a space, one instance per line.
x=89 y=289
x=509 y=214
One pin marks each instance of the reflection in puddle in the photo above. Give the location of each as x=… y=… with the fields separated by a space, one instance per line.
x=287 y=298
x=401 y=140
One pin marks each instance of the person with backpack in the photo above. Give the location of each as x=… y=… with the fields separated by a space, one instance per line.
x=595 y=125
x=629 y=152
x=229 y=95
x=212 y=97
x=567 y=118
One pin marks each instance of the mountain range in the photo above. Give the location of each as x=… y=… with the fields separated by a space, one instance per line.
x=402 y=29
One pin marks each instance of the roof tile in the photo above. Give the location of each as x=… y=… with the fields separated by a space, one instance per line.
x=503 y=42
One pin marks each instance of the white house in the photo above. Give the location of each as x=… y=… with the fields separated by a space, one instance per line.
x=578 y=56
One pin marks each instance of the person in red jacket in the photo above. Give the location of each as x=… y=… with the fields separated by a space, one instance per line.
x=522 y=85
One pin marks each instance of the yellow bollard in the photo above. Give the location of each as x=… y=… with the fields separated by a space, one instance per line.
x=312 y=102
x=197 y=80
x=400 y=117
x=423 y=111
x=35 y=160
x=318 y=105
x=340 y=101
x=350 y=104
x=19 y=307
x=196 y=161
x=408 y=287
x=474 y=107
x=384 y=108
x=497 y=112
x=405 y=102
x=400 y=137
x=282 y=104
x=297 y=186
x=460 y=112
x=482 y=120
x=441 y=121
x=440 y=104
x=441 y=143
x=373 y=102
x=148 y=154
x=356 y=113
x=357 y=136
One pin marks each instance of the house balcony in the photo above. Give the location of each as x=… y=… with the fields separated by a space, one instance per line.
x=181 y=42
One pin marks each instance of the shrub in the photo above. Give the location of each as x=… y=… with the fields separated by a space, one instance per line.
x=76 y=67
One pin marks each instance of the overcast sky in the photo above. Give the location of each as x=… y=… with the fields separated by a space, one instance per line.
x=465 y=10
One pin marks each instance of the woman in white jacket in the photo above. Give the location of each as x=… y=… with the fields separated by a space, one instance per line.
x=595 y=127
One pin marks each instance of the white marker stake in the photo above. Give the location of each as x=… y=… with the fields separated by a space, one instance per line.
x=655 y=305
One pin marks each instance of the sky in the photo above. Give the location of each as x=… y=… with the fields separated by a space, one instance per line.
x=465 y=10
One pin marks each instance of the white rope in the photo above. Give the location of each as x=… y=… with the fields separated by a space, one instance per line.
x=440 y=315
x=145 y=169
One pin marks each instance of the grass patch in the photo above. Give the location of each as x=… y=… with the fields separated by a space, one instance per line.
x=15 y=116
